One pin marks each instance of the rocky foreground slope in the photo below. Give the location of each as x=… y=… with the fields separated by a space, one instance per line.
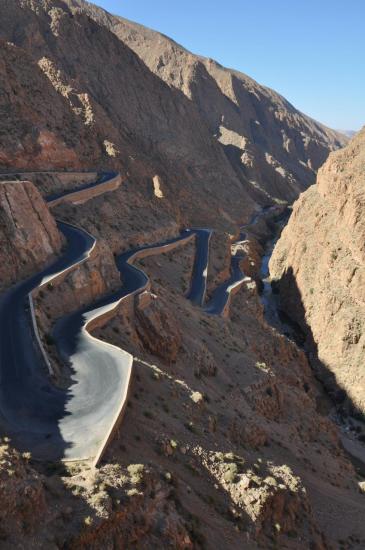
x=320 y=265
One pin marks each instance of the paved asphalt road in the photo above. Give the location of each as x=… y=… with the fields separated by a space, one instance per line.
x=220 y=297
x=73 y=424
x=31 y=408
x=100 y=372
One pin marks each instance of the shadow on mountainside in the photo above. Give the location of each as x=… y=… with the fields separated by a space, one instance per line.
x=292 y=311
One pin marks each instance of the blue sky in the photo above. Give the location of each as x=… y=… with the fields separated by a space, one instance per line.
x=311 y=51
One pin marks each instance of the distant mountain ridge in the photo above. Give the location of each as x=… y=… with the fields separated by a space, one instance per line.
x=349 y=133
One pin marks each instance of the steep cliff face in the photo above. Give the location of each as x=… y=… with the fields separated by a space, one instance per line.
x=274 y=149
x=29 y=237
x=320 y=264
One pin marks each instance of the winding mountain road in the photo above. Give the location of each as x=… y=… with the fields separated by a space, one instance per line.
x=30 y=405
x=72 y=424
x=220 y=300
x=222 y=294
x=77 y=423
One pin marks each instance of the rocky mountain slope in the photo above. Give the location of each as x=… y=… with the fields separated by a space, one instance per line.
x=320 y=265
x=274 y=149
x=91 y=101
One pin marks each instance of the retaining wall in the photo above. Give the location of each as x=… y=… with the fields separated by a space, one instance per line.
x=84 y=195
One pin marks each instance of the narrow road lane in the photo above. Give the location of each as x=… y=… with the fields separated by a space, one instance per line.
x=198 y=287
x=30 y=406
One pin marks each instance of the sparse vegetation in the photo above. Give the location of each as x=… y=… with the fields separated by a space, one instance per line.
x=230 y=473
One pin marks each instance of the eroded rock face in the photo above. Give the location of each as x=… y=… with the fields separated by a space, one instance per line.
x=29 y=237
x=38 y=130
x=158 y=331
x=320 y=265
x=267 y=497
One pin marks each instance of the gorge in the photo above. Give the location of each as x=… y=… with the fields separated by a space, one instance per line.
x=160 y=386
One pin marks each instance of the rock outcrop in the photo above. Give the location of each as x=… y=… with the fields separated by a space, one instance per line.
x=119 y=507
x=29 y=237
x=38 y=128
x=319 y=264
x=158 y=332
x=269 y=495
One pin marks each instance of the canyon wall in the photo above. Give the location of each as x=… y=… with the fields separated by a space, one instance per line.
x=319 y=264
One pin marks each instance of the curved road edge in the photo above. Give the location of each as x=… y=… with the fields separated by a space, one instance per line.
x=138 y=254
x=54 y=278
